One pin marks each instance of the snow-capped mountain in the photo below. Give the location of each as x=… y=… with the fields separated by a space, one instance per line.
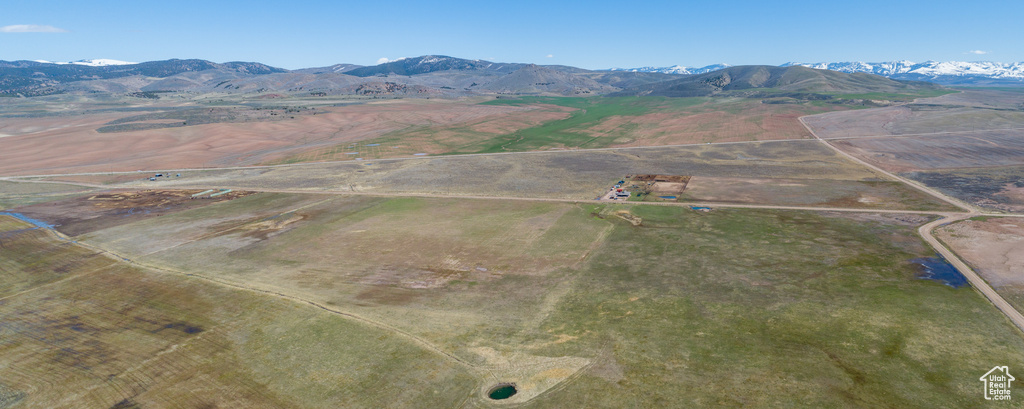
x=884 y=68
x=950 y=72
x=99 y=62
x=929 y=70
x=675 y=69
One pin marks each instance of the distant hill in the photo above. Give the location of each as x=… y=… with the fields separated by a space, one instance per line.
x=40 y=78
x=93 y=63
x=794 y=79
x=946 y=73
x=534 y=79
x=336 y=68
x=627 y=79
x=429 y=75
x=426 y=76
x=675 y=69
x=432 y=63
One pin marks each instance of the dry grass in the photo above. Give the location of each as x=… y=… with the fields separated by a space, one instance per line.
x=433 y=137
x=717 y=121
x=995 y=188
x=433 y=267
x=65 y=145
x=951 y=150
x=112 y=335
x=994 y=247
x=13 y=194
x=811 y=192
x=783 y=173
x=565 y=175
x=596 y=305
x=31 y=257
x=100 y=210
x=970 y=111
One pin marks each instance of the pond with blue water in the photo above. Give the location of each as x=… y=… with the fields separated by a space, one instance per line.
x=938 y=269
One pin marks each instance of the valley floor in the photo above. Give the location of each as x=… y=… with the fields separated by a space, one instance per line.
x=426 y=282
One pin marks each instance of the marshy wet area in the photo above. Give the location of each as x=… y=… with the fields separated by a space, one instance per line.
x=94 y=212
x=938 y=269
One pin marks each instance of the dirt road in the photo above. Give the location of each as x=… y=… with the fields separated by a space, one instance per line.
x=976 y=281
x=926 y=233
x=933 y=193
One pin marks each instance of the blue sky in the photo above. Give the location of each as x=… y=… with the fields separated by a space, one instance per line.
x=591 y=34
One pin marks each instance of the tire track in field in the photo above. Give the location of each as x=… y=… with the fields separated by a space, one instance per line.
x=281 y=295
x=925 y=231
x=240 y=225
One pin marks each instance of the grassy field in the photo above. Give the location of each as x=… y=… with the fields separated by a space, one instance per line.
x=580 y=305
x=588 y=112
x=434 y=267
x=772 y=309
x=888 y=96
x=810 y=192
x=300 y=296
x=582 y=123
x=796 y=173
x=32 y=257
x=606 y=122
x=14 y=194
x=110 y=335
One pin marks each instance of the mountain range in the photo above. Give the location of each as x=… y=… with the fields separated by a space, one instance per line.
x=793 y=82
x=92 y=63
x=946 y=73
x=425 y=76
x=444 y=76
x=676 y=69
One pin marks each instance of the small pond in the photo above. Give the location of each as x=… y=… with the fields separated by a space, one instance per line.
x=938 y=269
x=502 y=391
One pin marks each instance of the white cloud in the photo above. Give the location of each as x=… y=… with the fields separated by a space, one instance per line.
x=977 y=52
x=31 y=28
x=383 y=60
x=551 y=56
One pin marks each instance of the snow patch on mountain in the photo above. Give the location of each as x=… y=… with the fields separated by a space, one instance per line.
x=675 y=69
x=942 y=72
x=99 y=62
x=927 y=69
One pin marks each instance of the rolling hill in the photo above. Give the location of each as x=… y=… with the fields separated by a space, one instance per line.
x=534 y=79
x=30 y=78
x=794 y=79
x=426 y=76
x=432 y=63
x=977 y=73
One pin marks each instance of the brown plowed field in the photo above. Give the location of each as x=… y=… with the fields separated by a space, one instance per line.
x=759 y=122
x=965 y=112
x=953 y=150
x=72 y=144
x=432 y=137
x=998 y=188
x=868 y=122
